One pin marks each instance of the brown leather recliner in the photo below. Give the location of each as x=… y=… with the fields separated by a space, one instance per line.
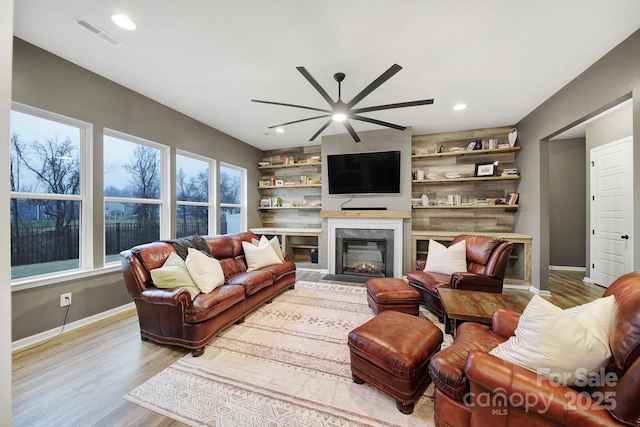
x=474 y=388
x=487 y=260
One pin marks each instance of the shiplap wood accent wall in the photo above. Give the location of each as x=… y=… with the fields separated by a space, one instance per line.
x=293 y=217
x=494 y=219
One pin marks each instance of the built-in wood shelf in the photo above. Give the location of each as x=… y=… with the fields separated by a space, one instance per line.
x=293 y=165
x=366 y=214
x=467 y=207
x=275 y=208
x=263 y=187
x=481 y=178
x=467 y=152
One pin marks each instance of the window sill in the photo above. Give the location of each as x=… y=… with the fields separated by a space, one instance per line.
x=52 y=279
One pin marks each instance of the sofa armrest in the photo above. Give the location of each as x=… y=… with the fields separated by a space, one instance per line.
x=475 y=282
x=501 y=389
x=504 y=322
x=174 y=297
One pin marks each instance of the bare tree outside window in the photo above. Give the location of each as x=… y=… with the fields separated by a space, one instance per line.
x=44 y=160
x=192 y=194
x=132 y=189
x=231 y=195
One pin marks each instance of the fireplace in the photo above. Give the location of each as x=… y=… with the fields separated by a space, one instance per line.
x=365 y=247
x=364 y=252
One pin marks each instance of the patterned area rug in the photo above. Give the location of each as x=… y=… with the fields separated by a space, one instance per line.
x=286 y=365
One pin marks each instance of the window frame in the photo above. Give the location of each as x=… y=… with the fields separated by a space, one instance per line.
x=164 y=201
x=85 y=249
x=212 y=221
x=243 y=194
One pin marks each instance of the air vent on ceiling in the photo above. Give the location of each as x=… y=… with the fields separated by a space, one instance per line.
x=97 y=31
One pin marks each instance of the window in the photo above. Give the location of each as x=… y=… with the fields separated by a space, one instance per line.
x=193 y=195
x=49 y=181
x=134 y=192
x=232 y=199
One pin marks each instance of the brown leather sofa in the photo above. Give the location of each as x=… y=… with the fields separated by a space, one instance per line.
x=170 y=316
x=487 y=260
x=474 y=388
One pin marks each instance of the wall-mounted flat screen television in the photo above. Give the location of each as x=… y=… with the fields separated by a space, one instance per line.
x=364 y=173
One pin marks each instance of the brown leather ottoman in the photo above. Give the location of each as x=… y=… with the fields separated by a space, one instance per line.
x=389 y=293
x=391 y=352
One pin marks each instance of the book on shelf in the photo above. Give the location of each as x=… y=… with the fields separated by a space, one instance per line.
x=510 y=172
x=512 y=199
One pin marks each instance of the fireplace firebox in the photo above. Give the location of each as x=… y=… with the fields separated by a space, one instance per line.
x=364 y=252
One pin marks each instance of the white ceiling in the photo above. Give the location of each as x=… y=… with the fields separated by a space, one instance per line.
x=209 y=58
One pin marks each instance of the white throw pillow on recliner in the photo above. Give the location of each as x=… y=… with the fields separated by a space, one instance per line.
x=551 y=342
x=441 y=259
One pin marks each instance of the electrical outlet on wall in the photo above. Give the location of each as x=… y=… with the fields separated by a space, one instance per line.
x=65 y=299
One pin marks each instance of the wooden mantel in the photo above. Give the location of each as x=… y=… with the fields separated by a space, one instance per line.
x=366 y=214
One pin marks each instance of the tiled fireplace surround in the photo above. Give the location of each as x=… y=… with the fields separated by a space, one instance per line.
x=362 y=227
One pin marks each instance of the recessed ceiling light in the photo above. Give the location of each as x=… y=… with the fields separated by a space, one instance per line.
x=279 y=130
x=123 y=21
x=459 y=107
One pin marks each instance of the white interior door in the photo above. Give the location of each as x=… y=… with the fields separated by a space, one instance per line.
x=611 y=211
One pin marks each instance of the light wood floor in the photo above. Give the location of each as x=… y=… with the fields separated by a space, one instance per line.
x=79 y=378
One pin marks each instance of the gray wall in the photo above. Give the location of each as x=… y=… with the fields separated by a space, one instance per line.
x=567 y=209
x=377 y=140
x=46 y=81
x=6 y=46
x=615 y=77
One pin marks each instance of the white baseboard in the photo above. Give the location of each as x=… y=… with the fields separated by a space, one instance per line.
x=52 y=333
x=313 y=270
x=542 y=293
x=566 y=268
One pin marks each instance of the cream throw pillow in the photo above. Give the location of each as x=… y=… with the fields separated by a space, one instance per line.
x=174 y=274
x=552 y=343
x=259 y=256
x=446 y=260
x=275 y=244
x=205 y=270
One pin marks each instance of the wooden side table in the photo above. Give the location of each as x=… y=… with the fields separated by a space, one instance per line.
x=473 y=306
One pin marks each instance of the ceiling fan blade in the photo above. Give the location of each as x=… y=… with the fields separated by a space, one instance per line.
x=378 y=122
x=298 y=121
x=316 y=85
x=326 y=125
x=291 y=105
x=390 y=106
x=374 y=84
x=351 y=130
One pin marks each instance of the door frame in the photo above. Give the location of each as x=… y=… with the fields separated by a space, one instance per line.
x=594 y=246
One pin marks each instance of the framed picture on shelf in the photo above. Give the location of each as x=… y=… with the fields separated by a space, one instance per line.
x=485 y=169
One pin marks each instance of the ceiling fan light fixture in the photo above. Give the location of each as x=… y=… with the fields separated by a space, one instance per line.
x=344 y=112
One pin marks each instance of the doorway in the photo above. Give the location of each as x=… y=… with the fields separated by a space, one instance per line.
x=570 y=193
x=611 y=211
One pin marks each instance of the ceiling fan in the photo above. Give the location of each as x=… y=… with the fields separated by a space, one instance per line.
x=343 y=112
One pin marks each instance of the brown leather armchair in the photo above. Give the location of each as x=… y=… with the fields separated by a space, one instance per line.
x=475 y=388
x=487 y=260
